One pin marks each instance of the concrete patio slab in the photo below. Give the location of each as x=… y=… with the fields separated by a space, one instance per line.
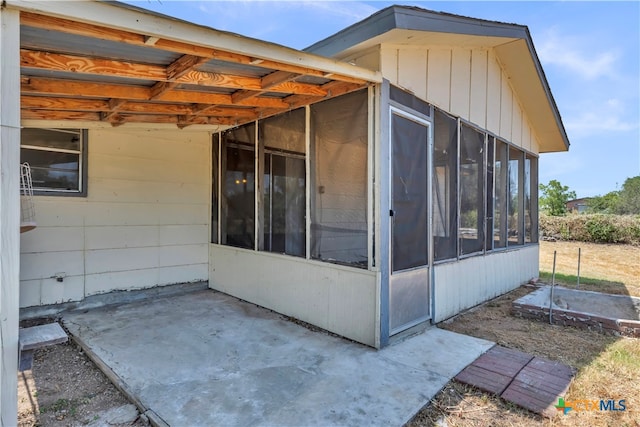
x=205 y=358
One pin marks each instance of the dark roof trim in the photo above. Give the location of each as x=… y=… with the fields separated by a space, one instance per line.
x=412 y=18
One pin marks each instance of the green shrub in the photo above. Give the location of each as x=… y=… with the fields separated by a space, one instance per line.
x=601 y=229
x=595 y=228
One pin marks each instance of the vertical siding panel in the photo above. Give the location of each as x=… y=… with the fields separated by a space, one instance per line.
x=506 y=108
x=526 y=134
x=516 y=124
x=412 y=71
x=478 y=96
x=439 y=78
x=461 y=82
x=389 y=63
x=494 y=85
x=468 y=282
x=534 y=143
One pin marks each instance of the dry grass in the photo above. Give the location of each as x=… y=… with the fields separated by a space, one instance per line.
x=607 y=367
x=614 y=263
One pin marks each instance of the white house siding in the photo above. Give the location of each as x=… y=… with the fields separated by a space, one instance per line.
x=468 y=282
x=144 y=222
x=339 y=299
x=466 y=82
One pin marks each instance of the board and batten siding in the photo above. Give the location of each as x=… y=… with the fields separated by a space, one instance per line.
x=144 y=222
x=468 y=282
x=468 y=83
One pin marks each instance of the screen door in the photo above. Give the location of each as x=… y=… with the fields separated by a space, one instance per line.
x=409 y=279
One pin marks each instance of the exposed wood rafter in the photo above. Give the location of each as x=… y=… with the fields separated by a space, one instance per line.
x=107 y=88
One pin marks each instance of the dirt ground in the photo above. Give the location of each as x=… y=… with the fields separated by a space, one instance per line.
x=586 y=351
x=65 y=388
x=606 y=366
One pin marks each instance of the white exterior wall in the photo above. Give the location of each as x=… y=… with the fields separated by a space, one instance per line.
x=463 y=284
x=9 y=212
x=144 y=222
x=336 y=298
x=466 y=82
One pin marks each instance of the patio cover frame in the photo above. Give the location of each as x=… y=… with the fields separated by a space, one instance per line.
x=100 y=63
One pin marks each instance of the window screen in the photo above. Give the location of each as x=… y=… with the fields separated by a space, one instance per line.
x=215 y=170
x=238 y=188
x=284 y=183
x=489 y=197
x=500 y=203
x=516 y=172
x=531 y=199
x=284 y=205
x=409 y=145
x=339 y=137
x=472 y=179
x=445 y=196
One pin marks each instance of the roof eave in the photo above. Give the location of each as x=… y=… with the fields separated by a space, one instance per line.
x=408 y=18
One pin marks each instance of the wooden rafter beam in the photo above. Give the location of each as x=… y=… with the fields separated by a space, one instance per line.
x=175 y=70
x=101 y=32
x=121 y=118
x=85 y=65
x=108 y=67
x=58 y=115
x=77 y=88
x=184 y=121
x=120 y=106
x=115 y=105
x=276 y=78
x=183 y=65
x=267 y=82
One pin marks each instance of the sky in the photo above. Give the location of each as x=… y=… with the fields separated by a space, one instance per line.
x=590 y=53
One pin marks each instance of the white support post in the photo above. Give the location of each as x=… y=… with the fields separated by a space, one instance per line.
x=370 y=177
x=9 y=212
x=308 y=156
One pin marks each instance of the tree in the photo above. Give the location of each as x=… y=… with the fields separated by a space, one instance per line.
x=554 y=197
x=629 y=197
x=606 y=204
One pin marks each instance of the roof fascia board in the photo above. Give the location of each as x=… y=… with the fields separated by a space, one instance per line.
x=377 y=24
x=409 y=19
x=120 y=16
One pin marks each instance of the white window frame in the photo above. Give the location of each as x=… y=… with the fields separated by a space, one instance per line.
x=82 y=164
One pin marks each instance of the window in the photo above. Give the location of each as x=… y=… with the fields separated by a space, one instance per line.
x=260 y=185
x=488 y=229
x=238 y=188
x=57 y=158
x=530 y=199
x=215 y=183
x=516 y=199
x=339 y=135
x=445 y=184
x=500 y=172
x=284 y=183
x=472 y=179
